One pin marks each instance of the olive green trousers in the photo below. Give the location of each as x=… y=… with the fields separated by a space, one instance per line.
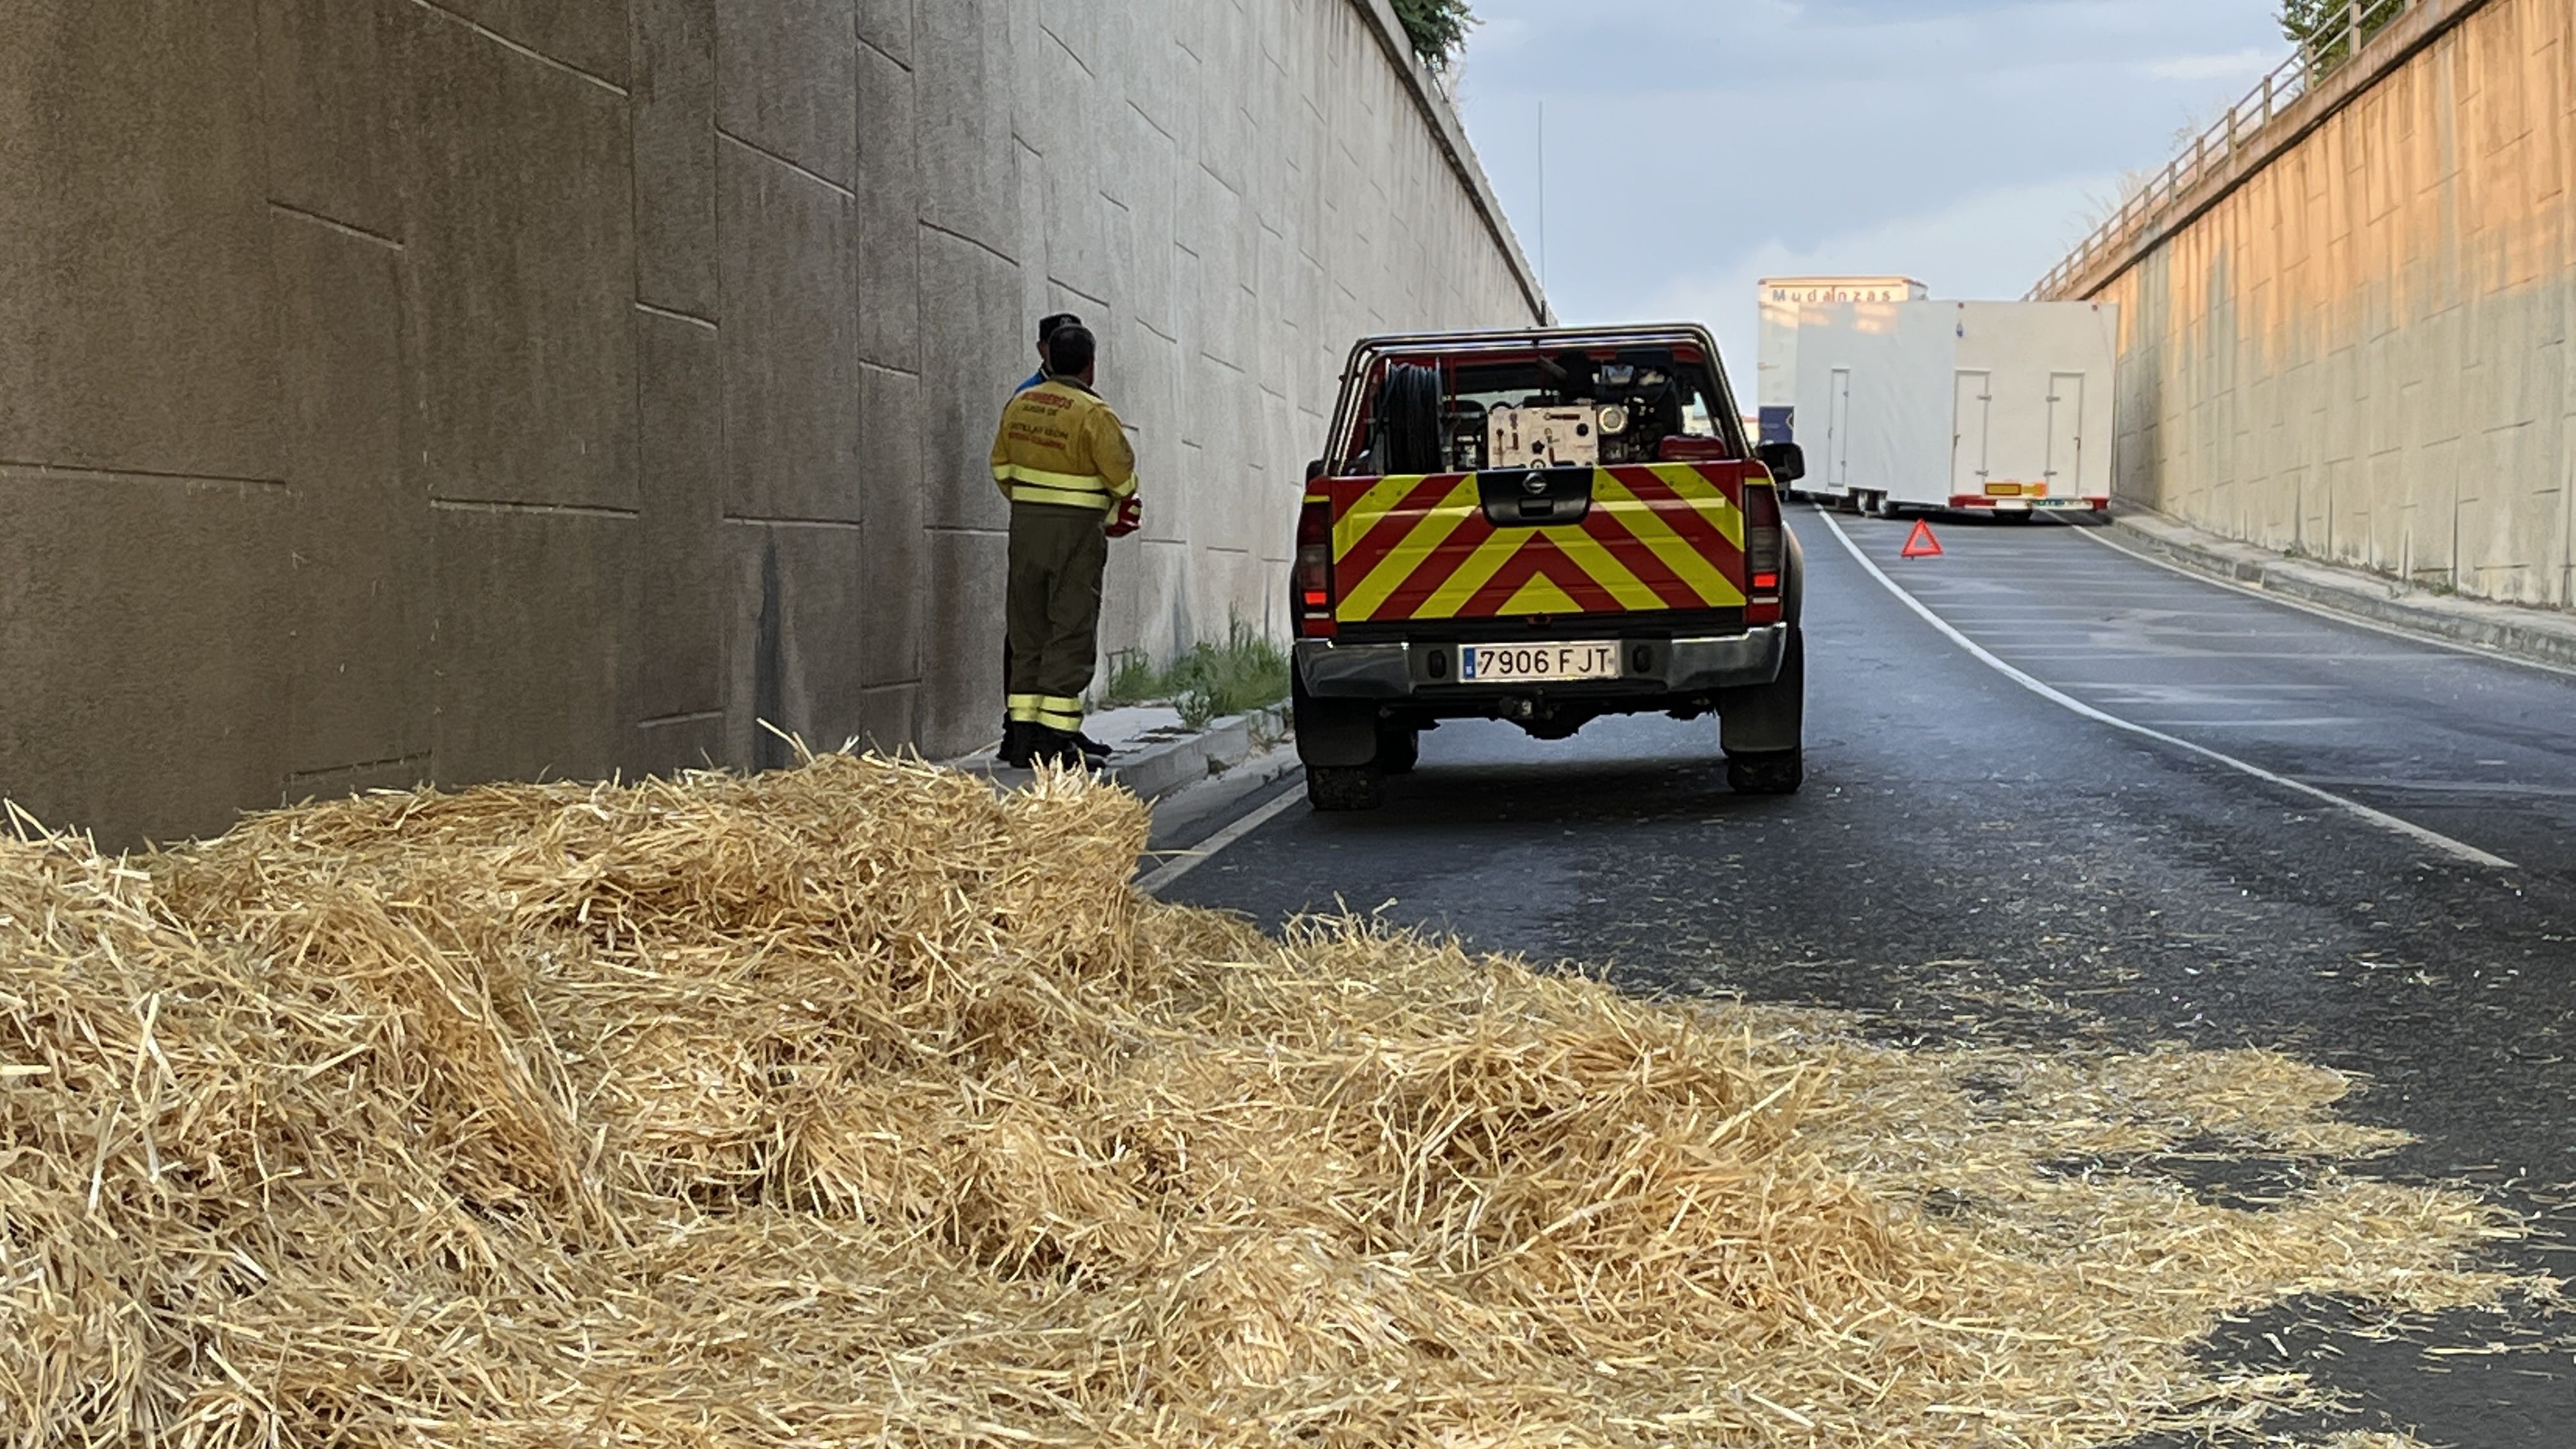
x=1053 y=611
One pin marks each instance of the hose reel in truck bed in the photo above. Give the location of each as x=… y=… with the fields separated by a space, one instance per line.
x=1409 y=435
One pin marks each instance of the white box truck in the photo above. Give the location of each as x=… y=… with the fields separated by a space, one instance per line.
x=2002 y=407
x=1783 y=302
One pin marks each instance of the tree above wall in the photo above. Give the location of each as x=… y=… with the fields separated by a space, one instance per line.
x=2326 y=29
x=1438 y=29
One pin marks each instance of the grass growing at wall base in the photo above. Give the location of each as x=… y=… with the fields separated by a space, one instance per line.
x=1209 y=682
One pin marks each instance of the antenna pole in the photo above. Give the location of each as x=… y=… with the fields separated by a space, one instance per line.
x=1542 y=193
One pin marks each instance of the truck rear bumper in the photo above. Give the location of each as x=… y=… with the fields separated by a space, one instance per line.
x=1415 y=670
x=1966 y=502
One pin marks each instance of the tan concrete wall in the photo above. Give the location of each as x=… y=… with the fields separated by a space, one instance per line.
x=2360 y=351
x=395 y=390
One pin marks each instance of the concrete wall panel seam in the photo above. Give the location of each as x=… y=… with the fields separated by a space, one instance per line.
x=343 y=228
x=673 y=314
x=816 y=177
x=519 y=48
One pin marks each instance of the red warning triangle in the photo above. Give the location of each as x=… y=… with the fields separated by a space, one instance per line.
x=1922 y=544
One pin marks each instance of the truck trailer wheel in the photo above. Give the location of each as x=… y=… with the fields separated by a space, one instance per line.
x=1779 y=772
x=1344 y=787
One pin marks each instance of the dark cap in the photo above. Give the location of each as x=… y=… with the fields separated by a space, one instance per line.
x=1048 y=325
x=1071 y=350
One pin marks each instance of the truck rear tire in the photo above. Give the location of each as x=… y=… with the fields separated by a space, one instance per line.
x=1337 y=788
x=1780 y=772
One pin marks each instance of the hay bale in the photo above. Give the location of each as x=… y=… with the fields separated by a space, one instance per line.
x=856 y=1103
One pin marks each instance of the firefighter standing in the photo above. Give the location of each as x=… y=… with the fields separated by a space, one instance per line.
x=1047 y=326
x=1062 y=457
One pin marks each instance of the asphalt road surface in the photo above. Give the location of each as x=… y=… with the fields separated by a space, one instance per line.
x=2110 y=799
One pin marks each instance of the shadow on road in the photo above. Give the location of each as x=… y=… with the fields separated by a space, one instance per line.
x=1570 y=792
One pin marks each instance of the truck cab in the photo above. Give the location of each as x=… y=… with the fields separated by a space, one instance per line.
x=1543 y=527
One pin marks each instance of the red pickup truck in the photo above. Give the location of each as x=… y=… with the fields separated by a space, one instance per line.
x=1543 y=527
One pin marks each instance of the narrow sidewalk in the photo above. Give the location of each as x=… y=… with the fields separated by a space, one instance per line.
x=2531 y=634
x=1155 y=754
x=1196 y=783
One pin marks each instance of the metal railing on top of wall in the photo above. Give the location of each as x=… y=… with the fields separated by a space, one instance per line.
x=2320 y=57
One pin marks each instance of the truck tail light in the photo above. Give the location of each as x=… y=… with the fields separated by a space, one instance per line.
x=1766 y=553
x=1313 y=579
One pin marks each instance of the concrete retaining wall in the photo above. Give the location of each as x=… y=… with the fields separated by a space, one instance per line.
x=394 y=390
x=2356 y=346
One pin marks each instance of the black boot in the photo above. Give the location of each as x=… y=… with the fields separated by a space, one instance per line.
x=1092 y=749
x=1018 y=744
x=1050 y=745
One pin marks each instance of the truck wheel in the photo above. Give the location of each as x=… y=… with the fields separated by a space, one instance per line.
x=1779 y=772
x=1344 y=787
x=1399 y=748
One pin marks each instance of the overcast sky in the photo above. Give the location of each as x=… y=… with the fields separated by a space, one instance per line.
x=1695 y=146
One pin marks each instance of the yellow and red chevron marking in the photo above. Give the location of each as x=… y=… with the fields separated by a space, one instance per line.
x=1659 y=536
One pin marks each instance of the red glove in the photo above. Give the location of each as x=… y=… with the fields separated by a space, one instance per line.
x=1126 y=518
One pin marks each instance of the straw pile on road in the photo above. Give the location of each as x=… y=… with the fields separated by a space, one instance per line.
x=856 y=1104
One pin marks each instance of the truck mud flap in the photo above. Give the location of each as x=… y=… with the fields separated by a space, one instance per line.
x=1333 y=733
x=1764 y=718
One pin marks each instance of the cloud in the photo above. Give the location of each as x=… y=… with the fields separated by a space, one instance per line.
x=2248 y=65
x=1694 y=144
x=1987 y=246
x=1903 y=12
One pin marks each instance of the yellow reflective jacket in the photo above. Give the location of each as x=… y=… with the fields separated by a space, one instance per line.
x=1060 y=444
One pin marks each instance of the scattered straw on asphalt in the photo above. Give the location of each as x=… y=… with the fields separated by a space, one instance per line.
x=856 y=1104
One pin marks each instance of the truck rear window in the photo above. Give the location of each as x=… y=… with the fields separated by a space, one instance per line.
x=1430 y=414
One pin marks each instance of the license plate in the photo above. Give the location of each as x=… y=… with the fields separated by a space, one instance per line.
x=1535 y=663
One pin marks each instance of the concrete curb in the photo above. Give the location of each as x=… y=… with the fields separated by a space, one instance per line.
x=2538 y=636
x=1163 y=768
x=1186 y=818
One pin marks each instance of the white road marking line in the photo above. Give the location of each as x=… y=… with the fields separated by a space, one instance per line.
x=2457 y=787
x=2113 y=651
x=2133 y=685
x=2385 y=821
x=2321 y=611
x=1191 y=860
x=2316 y=722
